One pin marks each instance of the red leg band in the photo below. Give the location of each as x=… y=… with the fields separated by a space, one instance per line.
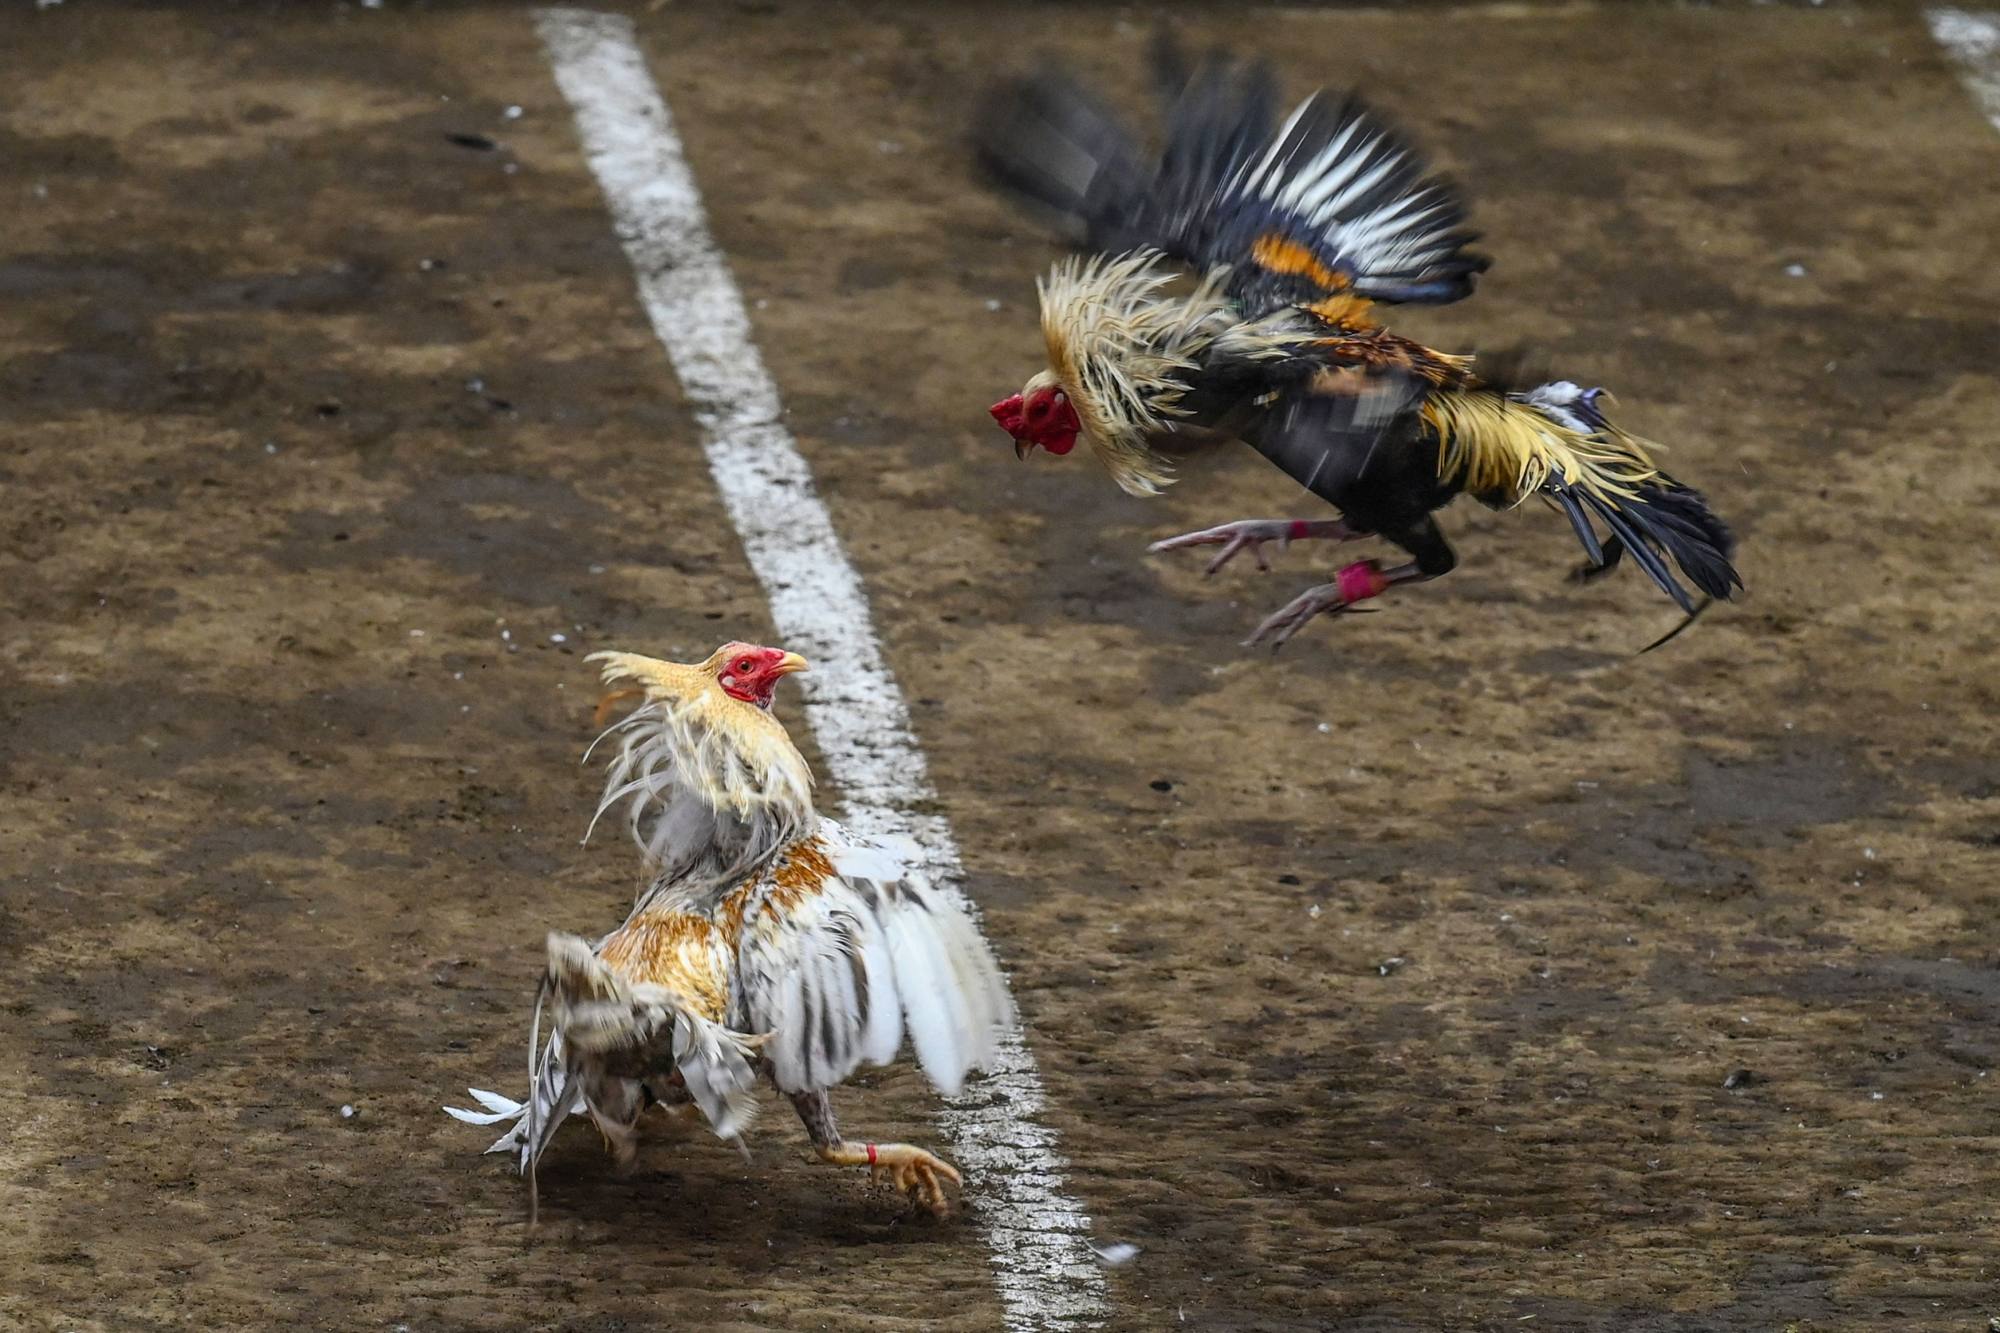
x=1360 y=581
x=871 y=1154
x=1300 y=528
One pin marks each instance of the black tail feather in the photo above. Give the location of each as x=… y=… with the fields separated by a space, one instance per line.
x=1701 y=544
x=1623 y=527
x=1600 y=560
x=1664 y=519
x=1676 y=631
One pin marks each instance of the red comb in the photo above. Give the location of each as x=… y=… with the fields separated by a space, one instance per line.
x=1008 y=413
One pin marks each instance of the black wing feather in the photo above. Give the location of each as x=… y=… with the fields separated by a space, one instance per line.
x=1335 y=181
x=1048 y=141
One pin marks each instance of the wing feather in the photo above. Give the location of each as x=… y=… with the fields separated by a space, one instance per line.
x=838 y=971
x=1334 y=192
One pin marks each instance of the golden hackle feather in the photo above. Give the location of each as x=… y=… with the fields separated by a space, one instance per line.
x=739 y=753
x=1507 y=450
x=1124 y=349
x=692 y=952
x=664 y=945
x=712 y=773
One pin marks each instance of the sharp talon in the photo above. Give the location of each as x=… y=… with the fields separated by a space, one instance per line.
x=916 y=1174
x=1289 y=619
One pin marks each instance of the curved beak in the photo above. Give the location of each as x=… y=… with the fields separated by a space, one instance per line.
x=789 y=663
x=1008 y=413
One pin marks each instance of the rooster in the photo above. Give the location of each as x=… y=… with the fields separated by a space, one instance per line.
x=770 y=941
x=1296 y=236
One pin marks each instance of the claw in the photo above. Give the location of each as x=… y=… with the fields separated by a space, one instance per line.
x=1352 y=585
x=916 y=1173
x=1290 y=618
x=1248 y=534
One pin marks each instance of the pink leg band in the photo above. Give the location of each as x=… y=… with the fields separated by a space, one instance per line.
x=871 y=1154
x=1300 y=528
x=1360 y=581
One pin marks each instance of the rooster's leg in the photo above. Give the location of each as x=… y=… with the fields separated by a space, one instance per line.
x=671 y=1096
x=916 y=1172
x=1360 y=581
x=1251 y=533
x=616 y=1104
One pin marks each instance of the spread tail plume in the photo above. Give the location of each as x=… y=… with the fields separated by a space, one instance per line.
x=1555 y=439
x=601 y=1021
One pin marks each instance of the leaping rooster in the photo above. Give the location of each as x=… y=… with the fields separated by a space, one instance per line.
x=1295 y=236
x=771 y=941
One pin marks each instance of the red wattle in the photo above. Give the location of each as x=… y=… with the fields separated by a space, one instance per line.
x=1360 y=581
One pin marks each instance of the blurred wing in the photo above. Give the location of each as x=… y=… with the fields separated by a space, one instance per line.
x=1332 y=203
x=1339 y=203
x=1327 y=436
x=843 y=952
x=1048 y=142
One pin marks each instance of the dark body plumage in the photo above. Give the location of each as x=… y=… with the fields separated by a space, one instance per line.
x=1305 y=227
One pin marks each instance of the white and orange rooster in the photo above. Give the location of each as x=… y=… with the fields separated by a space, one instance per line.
x=770 y=941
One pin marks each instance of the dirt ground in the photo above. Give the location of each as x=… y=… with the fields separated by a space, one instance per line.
x=1392 y=984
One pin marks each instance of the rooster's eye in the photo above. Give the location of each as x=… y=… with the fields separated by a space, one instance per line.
x=744 y=666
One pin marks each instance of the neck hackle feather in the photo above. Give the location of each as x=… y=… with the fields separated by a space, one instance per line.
x=1124 y=350
x=715 y=785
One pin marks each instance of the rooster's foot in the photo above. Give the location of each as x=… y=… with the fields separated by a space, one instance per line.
x=1250 y=534
x=1355 y=583
x=684 y=1117
x=915 y=1172
x=622 y=1141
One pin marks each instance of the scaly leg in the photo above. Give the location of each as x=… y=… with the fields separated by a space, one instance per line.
x=915 y=1171
x=1251 y=534
x=615 y=1105
x=1359 y=581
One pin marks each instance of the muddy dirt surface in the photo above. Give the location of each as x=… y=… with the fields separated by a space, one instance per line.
x=1393 y=984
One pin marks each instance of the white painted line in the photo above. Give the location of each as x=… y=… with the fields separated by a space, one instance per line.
x=1973 y=39
x=1038 y=1235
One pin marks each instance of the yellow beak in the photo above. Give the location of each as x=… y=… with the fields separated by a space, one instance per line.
x=789 y=663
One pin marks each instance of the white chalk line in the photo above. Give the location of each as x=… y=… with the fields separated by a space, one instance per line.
x=1972 y=38
x=1038 y=1235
